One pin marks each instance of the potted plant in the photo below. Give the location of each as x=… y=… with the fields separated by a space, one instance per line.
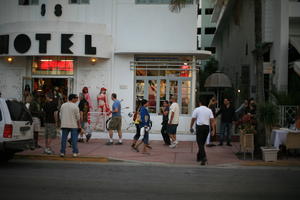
x=247 y=129
x=268 y=115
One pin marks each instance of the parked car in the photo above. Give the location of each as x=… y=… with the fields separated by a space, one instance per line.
x=16 y=132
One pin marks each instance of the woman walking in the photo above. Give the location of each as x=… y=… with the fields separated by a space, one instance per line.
x=145 y=126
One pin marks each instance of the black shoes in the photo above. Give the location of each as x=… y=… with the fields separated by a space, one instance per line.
x=88 y=137
x=220 y=144
x=228 y=144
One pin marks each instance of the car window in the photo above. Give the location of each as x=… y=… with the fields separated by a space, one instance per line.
x=18 y=111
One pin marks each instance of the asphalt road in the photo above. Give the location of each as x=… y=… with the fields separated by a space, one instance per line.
x=55 y=180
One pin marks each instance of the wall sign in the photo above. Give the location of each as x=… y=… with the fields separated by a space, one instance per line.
x=23 y=43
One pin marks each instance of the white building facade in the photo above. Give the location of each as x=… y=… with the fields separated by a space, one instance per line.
x=134 y=48
x=234 y=39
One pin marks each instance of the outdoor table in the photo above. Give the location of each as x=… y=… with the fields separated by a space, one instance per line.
x=278 y=136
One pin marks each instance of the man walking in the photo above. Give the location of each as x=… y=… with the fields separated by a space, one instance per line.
x=228 y=116
x=116 y=120
x=70 y=122
x=51 y=122
x=173 y=122
x=204 y=120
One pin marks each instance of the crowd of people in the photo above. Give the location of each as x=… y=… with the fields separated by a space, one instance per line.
x=72 y=117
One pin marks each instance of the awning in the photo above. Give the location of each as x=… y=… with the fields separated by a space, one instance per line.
x=295 y=41
x=217 y=80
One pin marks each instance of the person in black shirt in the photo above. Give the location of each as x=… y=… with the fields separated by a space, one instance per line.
x=84 y=109
x=165 y=119
x=51 y=122
x=228 y=116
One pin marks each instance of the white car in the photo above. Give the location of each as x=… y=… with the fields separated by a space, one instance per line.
x=16 y=132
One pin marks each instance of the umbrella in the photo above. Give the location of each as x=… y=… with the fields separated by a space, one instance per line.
x=217 y=80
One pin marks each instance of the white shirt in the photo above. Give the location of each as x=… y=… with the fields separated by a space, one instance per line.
x=69 y=115
x=175 y=109
x=203 y=115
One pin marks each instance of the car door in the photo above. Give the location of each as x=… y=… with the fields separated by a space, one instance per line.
x=21 y=121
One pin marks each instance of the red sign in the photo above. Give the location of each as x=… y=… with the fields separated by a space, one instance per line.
x=56 y=65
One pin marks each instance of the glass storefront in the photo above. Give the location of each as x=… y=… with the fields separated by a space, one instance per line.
x=158 y=78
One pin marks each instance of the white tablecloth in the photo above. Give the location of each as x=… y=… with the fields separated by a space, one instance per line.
x=278 y=136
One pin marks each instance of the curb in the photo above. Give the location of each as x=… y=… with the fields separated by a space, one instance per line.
x=66 y=158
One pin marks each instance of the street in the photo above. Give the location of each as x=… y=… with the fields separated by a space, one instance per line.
x=29 y=179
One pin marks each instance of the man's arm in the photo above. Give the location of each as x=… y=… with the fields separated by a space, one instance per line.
x=213 y=126
x=171 y=118
x=192 y=122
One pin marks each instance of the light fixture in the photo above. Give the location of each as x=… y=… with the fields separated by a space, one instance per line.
x=239 y=91
x=93 y=60
x=10 y=59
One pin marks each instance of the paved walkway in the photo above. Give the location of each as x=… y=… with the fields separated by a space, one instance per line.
x=183 y=154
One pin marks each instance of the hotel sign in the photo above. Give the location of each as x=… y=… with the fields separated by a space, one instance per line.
x=55 y=44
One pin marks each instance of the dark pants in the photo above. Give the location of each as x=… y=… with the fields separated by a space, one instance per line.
x=164 y=134
x=225 y=132
x=201 y=135
x=138 y=132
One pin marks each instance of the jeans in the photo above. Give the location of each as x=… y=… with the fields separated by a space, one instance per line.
x=165 y=134
x=138 y=132
x=201 y=135
x=64 y=137
x=225 y=131
x=146 y=137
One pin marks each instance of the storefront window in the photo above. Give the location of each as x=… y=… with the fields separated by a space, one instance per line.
x=160 y=78
x=53 y=66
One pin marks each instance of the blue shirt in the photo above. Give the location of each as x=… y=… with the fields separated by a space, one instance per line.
x=145 y=117
x=116 y=104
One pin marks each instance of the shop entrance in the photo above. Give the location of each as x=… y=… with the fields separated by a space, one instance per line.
x=57 y=86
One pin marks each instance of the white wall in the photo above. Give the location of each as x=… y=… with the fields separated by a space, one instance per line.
x=154 y=28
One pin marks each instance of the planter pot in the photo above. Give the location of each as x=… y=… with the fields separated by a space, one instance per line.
x=247 y=144
x=269 y=153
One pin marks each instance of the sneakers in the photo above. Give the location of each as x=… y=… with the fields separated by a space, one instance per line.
x=173 y=145
x=62 y=155
x=75 y=155
x=119 y=143
x=48 y=151
x=88 y=137
x=109 y=143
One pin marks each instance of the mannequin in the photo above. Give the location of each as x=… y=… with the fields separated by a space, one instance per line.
x=102 y=101
x=86 y=94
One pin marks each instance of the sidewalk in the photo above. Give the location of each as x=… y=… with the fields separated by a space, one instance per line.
x=184 y=154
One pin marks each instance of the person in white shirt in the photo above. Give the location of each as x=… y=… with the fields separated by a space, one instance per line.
x=204 y=120
x=173 y=122
x=70 y=122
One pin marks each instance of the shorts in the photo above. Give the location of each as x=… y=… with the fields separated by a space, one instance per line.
x=115 y=123
x=36 y=124
x=50 y=130
x=172 y=129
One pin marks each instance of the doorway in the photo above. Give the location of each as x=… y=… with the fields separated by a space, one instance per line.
x=63 y=86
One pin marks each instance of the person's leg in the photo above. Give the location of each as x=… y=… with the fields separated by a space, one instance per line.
x=137 y=135
x=204 y=130
x=165 y=135
x=74 y=138
x=222 y=132
x=64 y=137
x=198 y=143
x=119 y=128
x=146 y=142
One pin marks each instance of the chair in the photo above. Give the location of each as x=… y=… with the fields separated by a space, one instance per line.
x=292 y=141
